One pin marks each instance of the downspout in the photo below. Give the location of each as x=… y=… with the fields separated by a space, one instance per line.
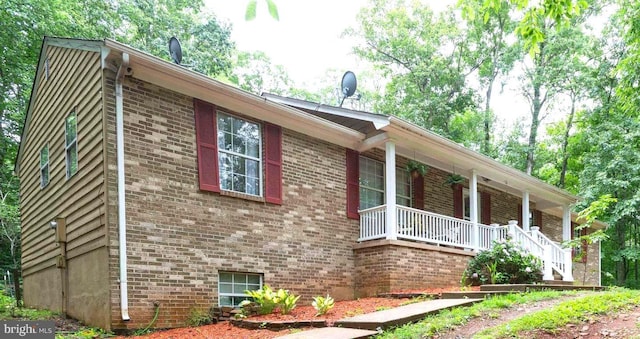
x=122 y=216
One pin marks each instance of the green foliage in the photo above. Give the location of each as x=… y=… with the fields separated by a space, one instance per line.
x=198 y=317
x=8 y=310
x=572 y=311
x=505 y=263
x=418 y=167
x=252 y=6
x=268 y=299
x=322 y=305
x=265 y=298
x=423 y=55
x=286 y=301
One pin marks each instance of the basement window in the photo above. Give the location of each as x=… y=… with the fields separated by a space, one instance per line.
x=44 y=166
x=231 y=287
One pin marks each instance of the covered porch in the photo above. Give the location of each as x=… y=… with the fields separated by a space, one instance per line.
x=393 y=221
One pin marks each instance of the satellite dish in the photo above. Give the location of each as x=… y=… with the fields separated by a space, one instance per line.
x=348 y=85
x=175 y=50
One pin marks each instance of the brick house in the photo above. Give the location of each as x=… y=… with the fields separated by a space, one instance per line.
x=145 y=184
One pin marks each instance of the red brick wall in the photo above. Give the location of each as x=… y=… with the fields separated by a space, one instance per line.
x=179 y=238
x=383 y=266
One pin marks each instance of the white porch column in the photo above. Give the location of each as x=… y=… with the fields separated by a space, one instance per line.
x=566 y=223
x=525 y=211
x=473 y=209
x=390 y=189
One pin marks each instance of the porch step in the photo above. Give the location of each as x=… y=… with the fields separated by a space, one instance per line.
x=331 y=332
x=538 y=287
x=401 y=315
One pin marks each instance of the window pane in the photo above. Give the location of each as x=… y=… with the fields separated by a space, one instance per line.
x=44 y=156
x=239 y=140
x=253 y=279
x=72 y=160
x=225 y=277
x=71 y=128
x=226 y=288
x=226 y=301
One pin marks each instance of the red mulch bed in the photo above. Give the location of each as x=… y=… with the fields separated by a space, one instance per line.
x=342 y=309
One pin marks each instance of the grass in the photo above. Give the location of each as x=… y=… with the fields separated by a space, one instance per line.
x=9 y=311
x=571 y=311
x=448 y=319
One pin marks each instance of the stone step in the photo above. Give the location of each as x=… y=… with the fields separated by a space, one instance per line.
x=401 y=315
x=331 y=332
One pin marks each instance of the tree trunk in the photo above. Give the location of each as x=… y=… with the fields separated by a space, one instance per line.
x=487 y=117
x=621 y=269
x=565 y=143
x=533 y=133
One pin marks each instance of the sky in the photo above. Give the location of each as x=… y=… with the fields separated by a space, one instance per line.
x=307 y=39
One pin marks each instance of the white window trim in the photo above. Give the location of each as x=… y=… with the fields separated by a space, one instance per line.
x=69 y=145
x=466 y=194
x=240 y=295
x=42 y=167
x=384 y=178
x=259 y=159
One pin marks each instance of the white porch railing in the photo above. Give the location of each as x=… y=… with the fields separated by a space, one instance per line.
x=433 y=228
x=373 y=223
x=561 y=258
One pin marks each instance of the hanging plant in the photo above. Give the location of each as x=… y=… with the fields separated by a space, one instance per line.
x=416 y=168
x=454 y=179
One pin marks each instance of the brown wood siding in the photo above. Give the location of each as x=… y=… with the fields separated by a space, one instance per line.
x=75 y=81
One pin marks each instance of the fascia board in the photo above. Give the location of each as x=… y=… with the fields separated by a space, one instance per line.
x=182 y=80
x=378 y=121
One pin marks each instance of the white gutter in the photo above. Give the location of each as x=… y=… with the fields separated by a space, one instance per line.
x=122 y=217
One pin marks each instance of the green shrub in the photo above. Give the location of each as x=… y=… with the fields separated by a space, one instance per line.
x=198 y=317
x=505 y=263
x=265 y=298
x=286 y=301
x=322 y=304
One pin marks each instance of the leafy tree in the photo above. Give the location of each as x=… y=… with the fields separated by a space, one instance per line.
x=256 y=73
x=489 y=30
x=532 y=28
x=423 y=55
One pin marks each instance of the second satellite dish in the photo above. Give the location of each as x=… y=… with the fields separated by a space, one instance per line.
x=348 y=85
x=175 y=50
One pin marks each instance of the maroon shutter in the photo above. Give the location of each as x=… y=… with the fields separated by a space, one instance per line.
x=485 y=207
x=207 y=145
x=353 y=184
x=418 y=192
x=520 y=215
x=537 y=218
x=457 y=201
x=273 y=172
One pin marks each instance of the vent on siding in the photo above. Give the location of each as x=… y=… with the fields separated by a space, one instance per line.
x=46 y=68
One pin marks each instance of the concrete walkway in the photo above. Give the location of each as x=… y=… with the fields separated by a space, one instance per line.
x=366 y=325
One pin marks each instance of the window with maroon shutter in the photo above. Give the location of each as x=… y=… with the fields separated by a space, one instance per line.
x=418 y=192
x=485 y=202
x=353 y=185
x=537 y=219
x=207 y=146
x=458 y=202
x=273 y=173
